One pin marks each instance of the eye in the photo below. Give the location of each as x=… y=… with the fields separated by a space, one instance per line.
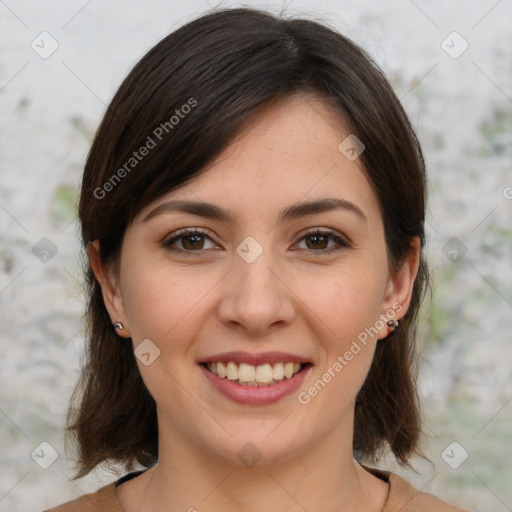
x=321 y=237
x=190 y=239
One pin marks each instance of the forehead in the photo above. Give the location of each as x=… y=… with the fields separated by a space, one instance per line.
x=286 y=153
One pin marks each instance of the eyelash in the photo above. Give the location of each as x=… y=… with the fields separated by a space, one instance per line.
x=342 y=244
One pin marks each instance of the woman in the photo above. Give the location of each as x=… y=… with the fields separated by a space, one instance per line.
x=253 y=210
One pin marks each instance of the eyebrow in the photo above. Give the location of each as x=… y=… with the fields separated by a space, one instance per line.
x=212 y=211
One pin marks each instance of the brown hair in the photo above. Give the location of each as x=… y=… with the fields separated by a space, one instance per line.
x=225 y=65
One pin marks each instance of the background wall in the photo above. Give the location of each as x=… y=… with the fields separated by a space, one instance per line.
x=449 y=62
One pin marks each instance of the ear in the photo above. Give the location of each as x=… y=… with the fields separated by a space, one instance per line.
x=400 y=285
x=110 y=288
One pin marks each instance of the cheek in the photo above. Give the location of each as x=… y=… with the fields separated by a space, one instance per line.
x=161 y=303
x=146 y=297
x=163 y=308
x=347 y=307
x=346 y=301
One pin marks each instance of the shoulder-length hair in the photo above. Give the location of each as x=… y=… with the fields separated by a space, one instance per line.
x=190 y=96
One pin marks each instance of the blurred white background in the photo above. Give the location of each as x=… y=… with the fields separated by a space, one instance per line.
x=53 y=91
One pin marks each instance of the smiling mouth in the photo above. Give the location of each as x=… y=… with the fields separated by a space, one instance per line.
x=250 y=375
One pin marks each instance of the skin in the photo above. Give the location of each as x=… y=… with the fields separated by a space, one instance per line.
x=286 y=300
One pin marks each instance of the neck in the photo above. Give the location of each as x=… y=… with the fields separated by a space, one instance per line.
x=323 y=477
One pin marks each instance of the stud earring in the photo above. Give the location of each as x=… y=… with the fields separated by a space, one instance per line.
x=118 y=325
x=393 y=324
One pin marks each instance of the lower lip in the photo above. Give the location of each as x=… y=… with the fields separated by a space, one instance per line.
x=256 y=395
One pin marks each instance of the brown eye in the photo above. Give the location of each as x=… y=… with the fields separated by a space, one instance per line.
x=317 y=242
x=191 y=240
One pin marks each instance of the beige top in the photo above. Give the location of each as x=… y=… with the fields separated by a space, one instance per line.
x=403 y=497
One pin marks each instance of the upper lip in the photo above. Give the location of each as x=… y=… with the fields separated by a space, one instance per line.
x=255 y=359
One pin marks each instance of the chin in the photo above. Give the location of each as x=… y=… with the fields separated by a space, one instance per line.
x=257 y=442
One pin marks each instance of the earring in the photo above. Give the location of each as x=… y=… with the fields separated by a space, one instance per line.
x=393 y=324
x=118 y=325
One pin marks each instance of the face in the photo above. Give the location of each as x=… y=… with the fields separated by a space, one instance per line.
x=271 y=284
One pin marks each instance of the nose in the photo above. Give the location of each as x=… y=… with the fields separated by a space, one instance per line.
x=256 y=297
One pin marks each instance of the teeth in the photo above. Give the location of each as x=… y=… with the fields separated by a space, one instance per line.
x=288 y=370
x=246 y=372
x=231 y=371
x=250 y=375
x=264 y=373
x=278 y=371
x=221 y=369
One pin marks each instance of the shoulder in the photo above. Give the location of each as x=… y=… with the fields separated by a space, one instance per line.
x=412 y=499
x=404 y=497
x=103 y=500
